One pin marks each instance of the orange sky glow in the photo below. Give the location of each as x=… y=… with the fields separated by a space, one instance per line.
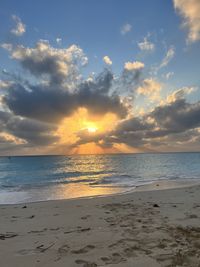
x=83 y=122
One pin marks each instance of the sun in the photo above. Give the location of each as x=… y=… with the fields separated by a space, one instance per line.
x=92 y=129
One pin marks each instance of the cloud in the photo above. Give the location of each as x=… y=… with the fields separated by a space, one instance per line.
x=125 y=28
x=180 y=94
x=129 y=131
x=7 y=139
x=9 y=143
x=4 y=84
x=184 y=141
x=133 y=124
x=173 y=118
x=107 y=60
x=53 y=103
x=131 y=76
x=132 y=66
x=31 y=131
x=190 y=11
x=162 y=128
x=59 y=65
x=150 y=88
x=176 y=117
x=146 y=45
x=32 y=111
x=165 y=61
x=168 y=57
x=20 y=27
x=7 y=46
x=169 y=74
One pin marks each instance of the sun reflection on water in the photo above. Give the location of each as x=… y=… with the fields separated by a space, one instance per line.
x=82 y=190
x=86 y=174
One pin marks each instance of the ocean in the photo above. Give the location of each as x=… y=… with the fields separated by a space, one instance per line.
x=38 y=178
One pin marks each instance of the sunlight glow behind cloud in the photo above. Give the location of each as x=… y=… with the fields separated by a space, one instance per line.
x=91 y=86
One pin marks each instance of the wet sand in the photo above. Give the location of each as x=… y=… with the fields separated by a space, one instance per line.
x=144 y=228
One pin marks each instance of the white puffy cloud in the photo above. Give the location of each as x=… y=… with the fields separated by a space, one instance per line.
x=146 y=45
x=190 y=11
x=20 y=28
x=132 y=66
x=125 y=28
x=107 y=60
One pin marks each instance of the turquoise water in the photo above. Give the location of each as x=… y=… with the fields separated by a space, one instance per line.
x=37 y=178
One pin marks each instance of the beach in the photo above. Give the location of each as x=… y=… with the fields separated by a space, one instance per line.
x=100 y=133
x=155 y=227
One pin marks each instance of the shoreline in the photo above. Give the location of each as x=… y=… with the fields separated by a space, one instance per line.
x=164 y=184
x=140 y=228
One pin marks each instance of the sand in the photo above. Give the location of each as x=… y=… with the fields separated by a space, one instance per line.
x=147 y=228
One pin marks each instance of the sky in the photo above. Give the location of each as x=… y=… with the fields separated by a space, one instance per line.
x=90 y=77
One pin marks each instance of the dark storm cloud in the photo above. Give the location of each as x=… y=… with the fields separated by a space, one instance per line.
x=51 y=104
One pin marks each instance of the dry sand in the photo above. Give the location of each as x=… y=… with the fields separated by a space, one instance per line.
x=150 y=228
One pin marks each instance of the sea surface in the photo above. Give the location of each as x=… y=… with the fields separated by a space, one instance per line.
x=38 y=178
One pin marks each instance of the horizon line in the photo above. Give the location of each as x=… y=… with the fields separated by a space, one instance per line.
x=121 y=153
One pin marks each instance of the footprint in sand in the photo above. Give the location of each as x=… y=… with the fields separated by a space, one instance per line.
x=83 y=250
x=192 y=216
x=37 y=231
x=123 y=242
x=7 y=235
x=86 y=263
x=63 y=249
x=85 y=217
x=115 y=258
x=39 y=249
x=130 y=251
